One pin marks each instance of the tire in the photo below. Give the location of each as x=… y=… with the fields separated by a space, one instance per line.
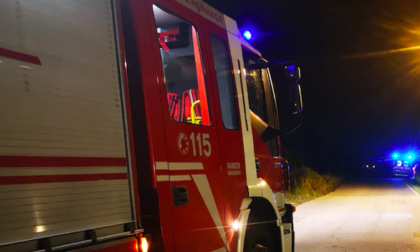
x=261 y=235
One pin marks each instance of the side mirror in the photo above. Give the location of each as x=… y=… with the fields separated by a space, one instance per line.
x=289 y=97
x=296 y=102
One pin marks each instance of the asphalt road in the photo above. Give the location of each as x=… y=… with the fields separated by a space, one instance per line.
x=370 y=215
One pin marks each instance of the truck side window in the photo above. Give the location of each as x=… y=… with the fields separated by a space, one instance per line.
x=182 y=68
x=256 y=93
x=225 y=82
x=261 y=98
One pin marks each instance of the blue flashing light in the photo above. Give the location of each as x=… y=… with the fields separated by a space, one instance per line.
x=395 y=155
x=411 y=156
x=291 y=67
x=247 y=35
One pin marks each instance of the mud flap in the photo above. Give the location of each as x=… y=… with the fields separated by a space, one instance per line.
x=288 y=229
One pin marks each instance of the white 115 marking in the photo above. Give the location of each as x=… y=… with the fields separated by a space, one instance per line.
x=202 y=142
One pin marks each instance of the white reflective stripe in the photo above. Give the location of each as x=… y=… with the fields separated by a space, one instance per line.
x=235 y=47
x=161 y=178
x=220 y=250
x=161 y=165
x=243 y=220
x=180 y=177
x=203 y=186
x=180 y=166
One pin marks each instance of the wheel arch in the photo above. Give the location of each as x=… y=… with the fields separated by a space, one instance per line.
x=262 y=207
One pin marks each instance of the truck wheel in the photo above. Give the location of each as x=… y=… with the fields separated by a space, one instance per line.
x=260 y=248
x=262 y=236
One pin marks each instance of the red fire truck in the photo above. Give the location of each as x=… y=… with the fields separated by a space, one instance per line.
x=137 y=125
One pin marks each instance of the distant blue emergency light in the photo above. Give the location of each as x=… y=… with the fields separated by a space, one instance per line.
x=247 y=35
x=410 y=156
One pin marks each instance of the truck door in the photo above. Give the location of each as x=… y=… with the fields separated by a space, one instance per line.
x=230 y=127
x=192 y=167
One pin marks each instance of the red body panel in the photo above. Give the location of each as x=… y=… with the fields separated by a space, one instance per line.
x=272 y=168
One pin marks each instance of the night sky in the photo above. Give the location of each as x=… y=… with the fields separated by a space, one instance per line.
x=361 y=94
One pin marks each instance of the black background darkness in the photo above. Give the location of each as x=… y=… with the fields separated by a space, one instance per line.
x=359 y=104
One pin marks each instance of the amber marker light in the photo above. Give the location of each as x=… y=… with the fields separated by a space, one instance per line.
x=262 y=183
x=236 y=225
x=144 y=245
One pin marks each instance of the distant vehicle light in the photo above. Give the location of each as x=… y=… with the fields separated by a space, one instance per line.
x=247 y=35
